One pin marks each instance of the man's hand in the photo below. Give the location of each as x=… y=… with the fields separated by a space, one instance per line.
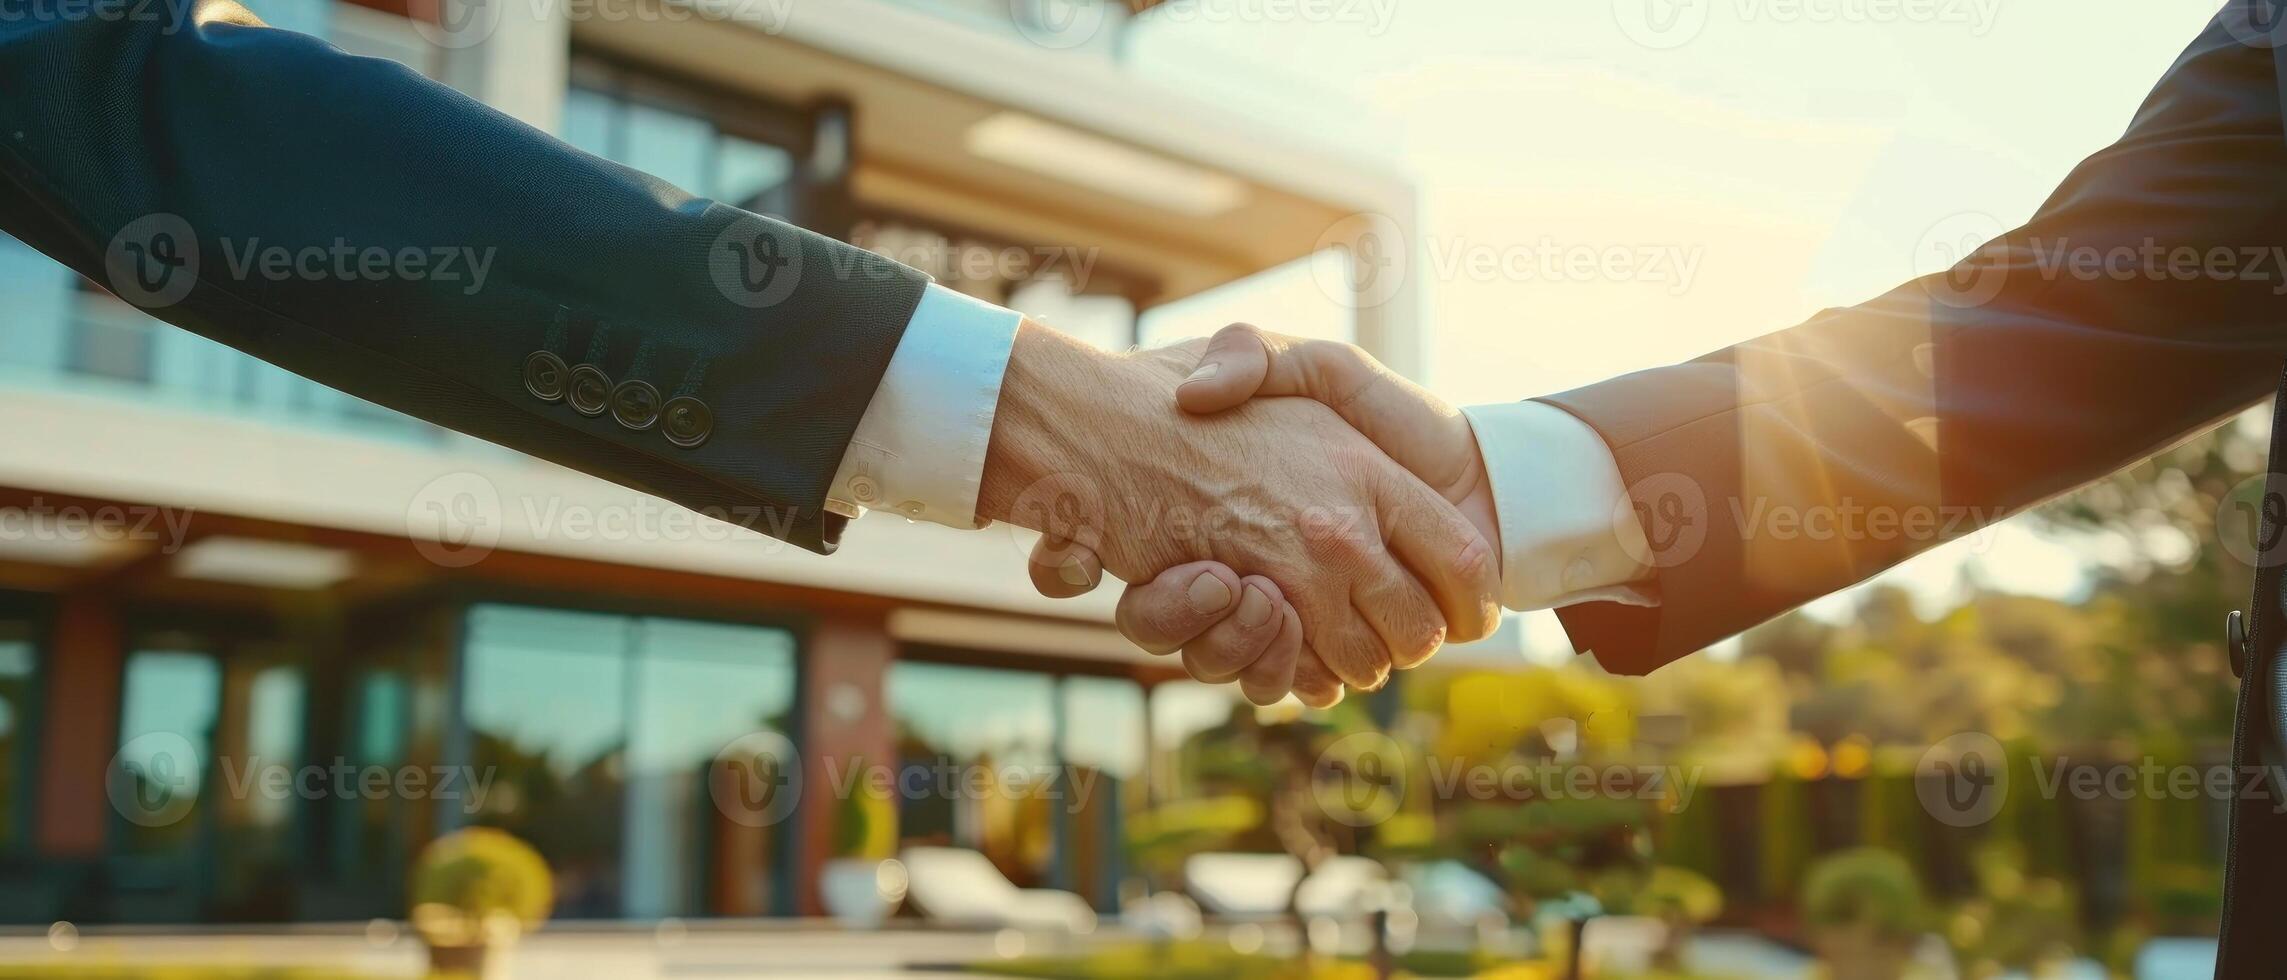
x=1417 y=430
x=1378 y=568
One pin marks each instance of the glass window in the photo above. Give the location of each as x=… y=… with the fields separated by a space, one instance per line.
x=746 y=171
x=1184 y=714
x=170 y=703
x=697 y=688
x=1105 y=753
x=675 y=147
x=590 y=121
x=973 y=744
x=545 y=699
x=18 y=663
x=600 y=734
x=111 y=339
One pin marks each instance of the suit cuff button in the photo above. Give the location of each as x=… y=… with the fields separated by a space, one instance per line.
x=688 y=421
x=545 y=376
x=590 y=393
x=635 y=404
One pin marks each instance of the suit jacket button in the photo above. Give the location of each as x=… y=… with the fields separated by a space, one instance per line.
x=688 y=421
x=545 y=376
x=590 y=392
x=635 y=404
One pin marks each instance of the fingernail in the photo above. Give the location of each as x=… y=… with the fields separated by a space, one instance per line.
x=1254 y=608
x=1071 y=571
x=1204 y=372
x=1209 y=594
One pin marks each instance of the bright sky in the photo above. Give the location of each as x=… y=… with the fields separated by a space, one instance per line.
x=1781 y=157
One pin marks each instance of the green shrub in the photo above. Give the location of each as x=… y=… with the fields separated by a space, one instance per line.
x=473 y=883
x=1865 y=888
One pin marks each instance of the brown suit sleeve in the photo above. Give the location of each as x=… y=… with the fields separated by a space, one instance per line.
x=2144 y=302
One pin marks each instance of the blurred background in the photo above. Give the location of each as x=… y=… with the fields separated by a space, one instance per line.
x=531 y=697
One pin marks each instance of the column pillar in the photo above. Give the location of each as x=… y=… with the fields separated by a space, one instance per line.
x=79 y=727
x=1386 y=289
x=845 y=722
x=513 y=56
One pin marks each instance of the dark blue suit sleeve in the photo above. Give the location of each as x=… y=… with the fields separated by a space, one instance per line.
x=716 y=358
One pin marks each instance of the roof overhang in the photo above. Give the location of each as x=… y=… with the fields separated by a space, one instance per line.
x=928 y=118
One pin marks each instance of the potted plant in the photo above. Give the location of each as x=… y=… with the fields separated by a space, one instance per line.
x=1865 y=911
x=862 y=885
x=475 y=891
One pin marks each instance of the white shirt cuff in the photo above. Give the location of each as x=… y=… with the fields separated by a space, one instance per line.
x=1568 y=531
x=920 y=448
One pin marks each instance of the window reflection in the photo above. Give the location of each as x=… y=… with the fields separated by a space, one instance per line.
x=1105 y=752
x=599 y=734
x=170 y=702
x=972 y=743
x=17 y=660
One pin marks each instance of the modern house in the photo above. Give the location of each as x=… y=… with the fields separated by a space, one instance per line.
x=212 y=571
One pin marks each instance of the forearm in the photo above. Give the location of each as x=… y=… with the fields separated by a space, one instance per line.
x=240 y=143
x=1802 y=462
x=1077 y=430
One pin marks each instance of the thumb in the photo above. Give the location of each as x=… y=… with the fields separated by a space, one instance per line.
x=1417 y=429
x=1062 y=568
x=1234 y=368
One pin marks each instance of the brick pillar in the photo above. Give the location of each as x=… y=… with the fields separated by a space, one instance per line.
x=844 y=722
x=80 y=726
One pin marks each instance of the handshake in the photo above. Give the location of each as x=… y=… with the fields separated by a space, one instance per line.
x=1288 y=543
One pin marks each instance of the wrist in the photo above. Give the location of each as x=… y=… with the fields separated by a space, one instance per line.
x=1058 y=400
